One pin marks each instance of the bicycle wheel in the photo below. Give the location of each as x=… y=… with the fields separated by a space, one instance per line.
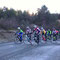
x=54 y=38
x=36 y=39
x=16 y=39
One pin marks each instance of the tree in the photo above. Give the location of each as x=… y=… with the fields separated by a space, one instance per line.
x=42 y=14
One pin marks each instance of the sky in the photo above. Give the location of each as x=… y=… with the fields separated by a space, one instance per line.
x=31 y=5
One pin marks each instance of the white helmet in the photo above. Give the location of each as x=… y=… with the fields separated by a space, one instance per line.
x=35 y=26
x=27 y=27
x=18 y=28
x=42 y=28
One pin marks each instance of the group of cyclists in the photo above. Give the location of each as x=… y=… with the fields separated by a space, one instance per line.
x=38 y=34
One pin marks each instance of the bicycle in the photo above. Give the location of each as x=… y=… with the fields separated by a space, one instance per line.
x=49 y=37
x=54 y=37
x=29 y=38
x=19 y=38
x=36 y=38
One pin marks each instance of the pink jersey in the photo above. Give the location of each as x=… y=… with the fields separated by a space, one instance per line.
x=37 y=30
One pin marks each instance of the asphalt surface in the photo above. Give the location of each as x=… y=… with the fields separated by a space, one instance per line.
x=24 y=51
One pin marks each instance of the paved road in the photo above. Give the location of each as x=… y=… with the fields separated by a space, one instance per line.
x=24 y=51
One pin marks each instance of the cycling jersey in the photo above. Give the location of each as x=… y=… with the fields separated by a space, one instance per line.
x=21 y=30
x=43 y=32
x=57 y=32
x=49 y=32
x=28 y=31
x=20 y=34
x=37 y=30
x=54 y=32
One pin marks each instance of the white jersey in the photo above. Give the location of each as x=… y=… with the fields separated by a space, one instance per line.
x=54 y=32
x=28 y=31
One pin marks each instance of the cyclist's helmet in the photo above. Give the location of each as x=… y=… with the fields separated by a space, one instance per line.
x=35 y=26
x=27 y=27
x=42 y=28
x=48 y=29
x=18 y=28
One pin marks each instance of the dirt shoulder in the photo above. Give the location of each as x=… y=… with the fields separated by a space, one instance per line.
x=7 y=36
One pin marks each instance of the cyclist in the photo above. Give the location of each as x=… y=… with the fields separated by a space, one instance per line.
x=19 y=34
x=43 y=32
x=36 y=32
x=28 y=32
x=49 y=33
x=54 y=34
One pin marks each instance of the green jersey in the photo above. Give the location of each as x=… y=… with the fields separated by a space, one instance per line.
x=21 y=30
x=49 y=32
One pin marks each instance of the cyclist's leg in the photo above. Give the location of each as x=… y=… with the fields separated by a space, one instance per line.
x=21 y=37
x=38 y=39
x=54 y=37
x=50 y=36
x=35 y=37
x=45 y=37
x=29 y=39
x=30 y=36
